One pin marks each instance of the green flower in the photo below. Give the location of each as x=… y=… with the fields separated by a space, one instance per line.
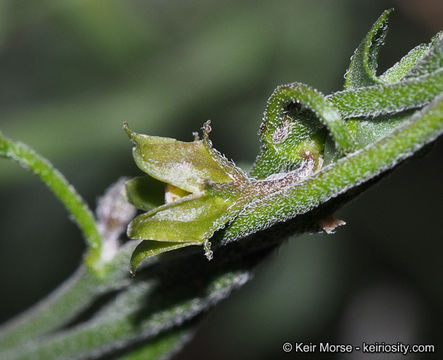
x=204 y=191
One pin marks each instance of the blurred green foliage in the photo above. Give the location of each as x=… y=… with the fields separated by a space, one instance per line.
x=73 y=71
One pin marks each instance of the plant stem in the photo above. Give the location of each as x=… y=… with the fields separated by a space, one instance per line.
x=58 y=308
x=67 y=301
x=422 y=128
x=64 y=191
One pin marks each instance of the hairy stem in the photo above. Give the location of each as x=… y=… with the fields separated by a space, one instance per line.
x=350 y=171
x=64 y=191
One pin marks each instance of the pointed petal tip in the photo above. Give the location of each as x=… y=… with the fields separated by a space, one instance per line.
x=128 y=131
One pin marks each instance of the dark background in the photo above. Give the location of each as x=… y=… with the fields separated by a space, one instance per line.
x=72 y=71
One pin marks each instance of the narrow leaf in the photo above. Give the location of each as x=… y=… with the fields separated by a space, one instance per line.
x=64 y=191
x=293 y=137
x=432 y=61
x=422 y=128
x=407 y=62
x=392 y=98
x=363 y=67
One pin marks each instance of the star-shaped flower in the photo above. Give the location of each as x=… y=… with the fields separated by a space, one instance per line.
x=204 y=192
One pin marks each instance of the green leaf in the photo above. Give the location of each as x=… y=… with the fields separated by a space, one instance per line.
x=363 y=67
x=391 y=98
x=293 y=135
x=170 y=297
x=369 y=130
x=187 y=165
x=407 y=62
x=432 y=61
x=161 y=347
x=68 y=302
x=349 y=172
x=64 y=191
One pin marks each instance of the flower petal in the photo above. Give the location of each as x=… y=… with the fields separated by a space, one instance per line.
x=187 y=165
x=144 y=192
x=147 y=249
x=193 y=218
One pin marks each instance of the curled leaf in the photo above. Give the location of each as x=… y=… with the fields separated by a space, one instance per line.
x=293 y=127
x=363 y=67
